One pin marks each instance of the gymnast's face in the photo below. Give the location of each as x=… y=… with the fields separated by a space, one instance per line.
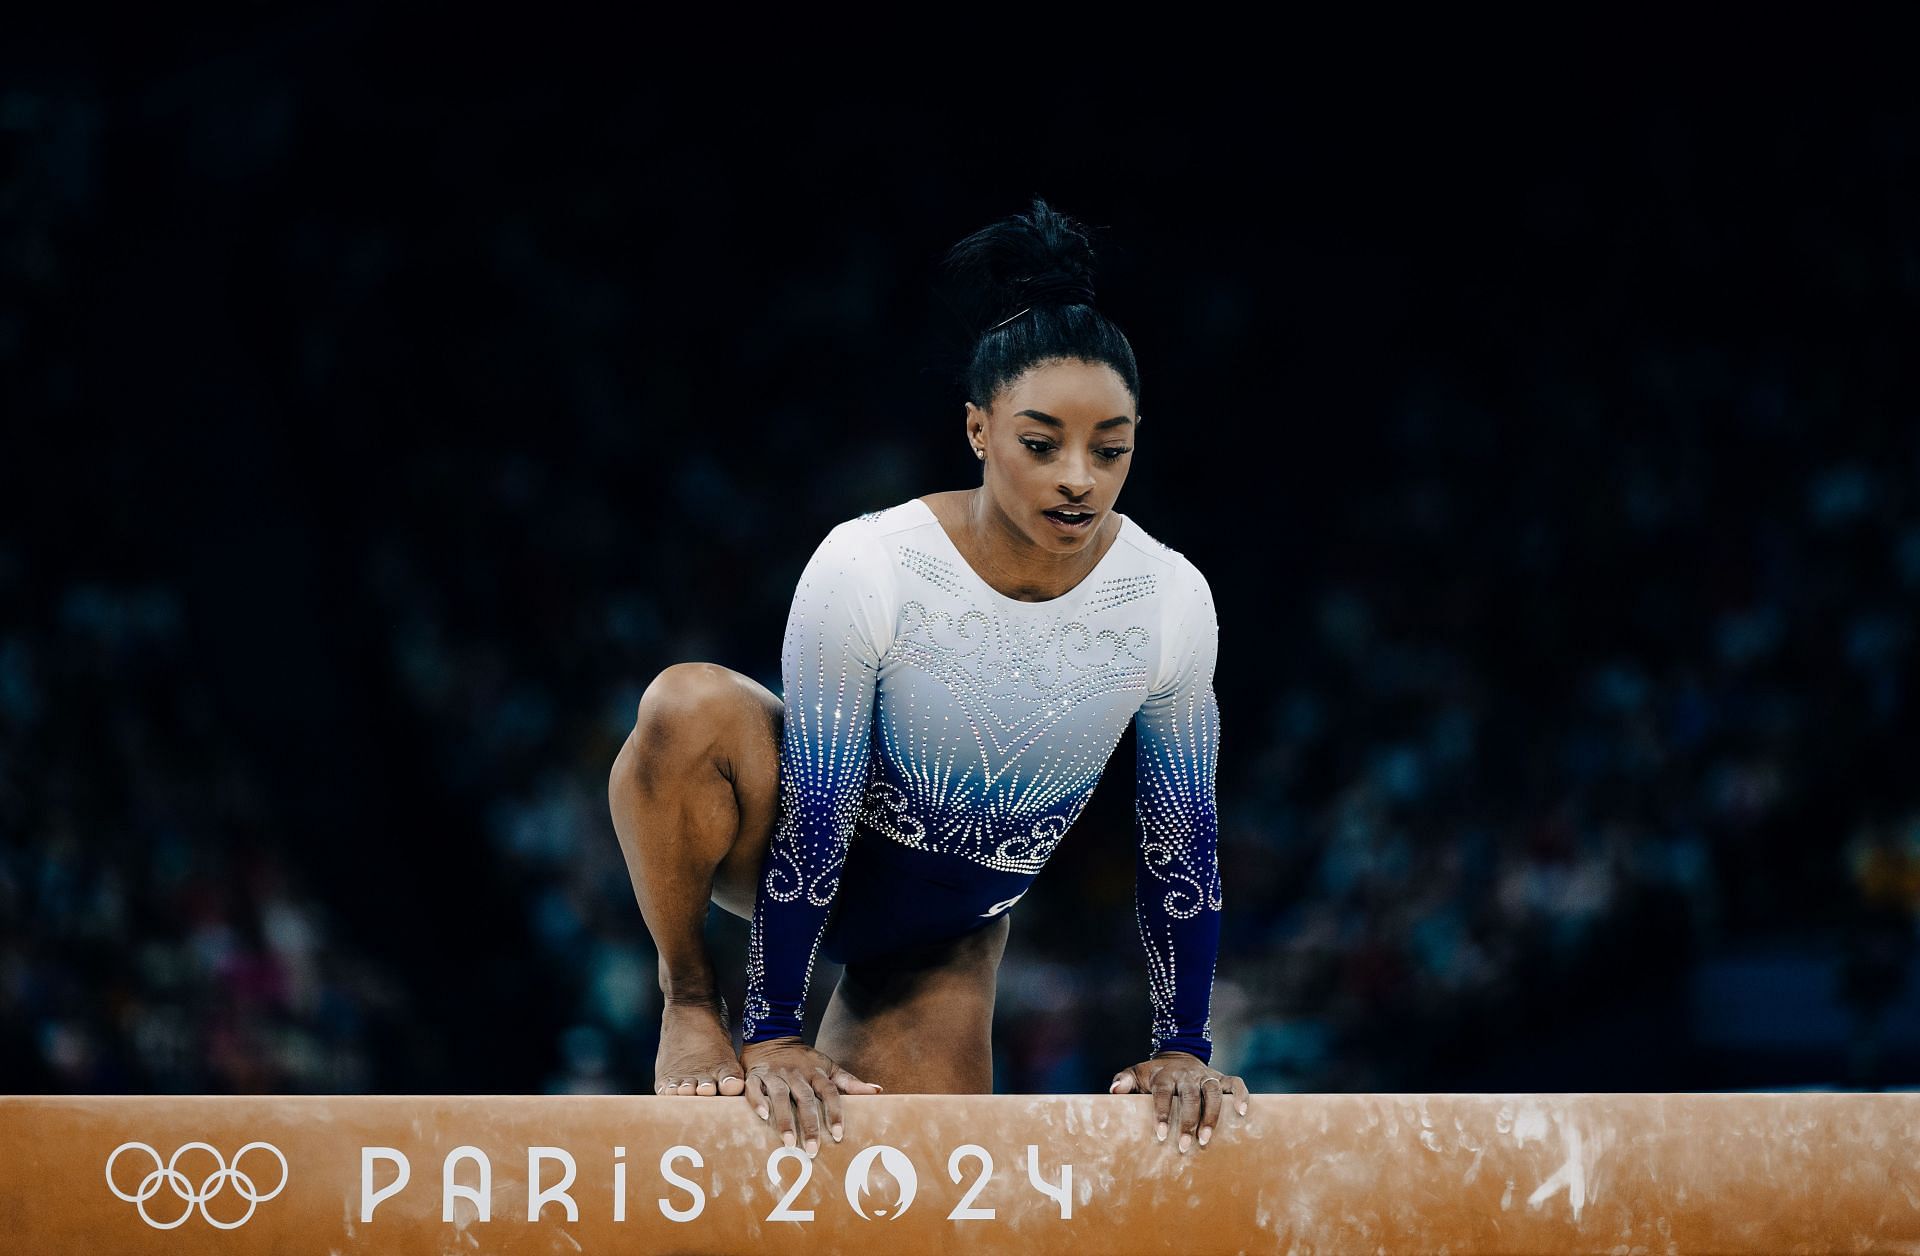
x=1059 y=440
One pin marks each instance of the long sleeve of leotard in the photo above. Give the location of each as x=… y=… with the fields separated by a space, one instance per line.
x=1177 y=872
x=839 y=626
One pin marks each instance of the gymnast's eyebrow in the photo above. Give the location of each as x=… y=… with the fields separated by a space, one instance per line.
x=1115 y=421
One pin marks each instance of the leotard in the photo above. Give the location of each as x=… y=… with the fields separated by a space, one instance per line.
x=941 y=737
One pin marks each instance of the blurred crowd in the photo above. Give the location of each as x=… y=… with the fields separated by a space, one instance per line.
x=1534 y=691
x=155 y=933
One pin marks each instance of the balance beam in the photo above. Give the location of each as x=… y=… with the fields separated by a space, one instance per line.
x=1615 y=1173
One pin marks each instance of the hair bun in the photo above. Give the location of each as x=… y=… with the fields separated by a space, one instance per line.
x=1024 y=289
x=1039 y=258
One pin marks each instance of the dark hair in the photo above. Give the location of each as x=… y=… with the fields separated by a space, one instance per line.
x=1031 y=281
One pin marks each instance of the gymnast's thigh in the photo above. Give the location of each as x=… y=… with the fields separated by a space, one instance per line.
x=920 y=1022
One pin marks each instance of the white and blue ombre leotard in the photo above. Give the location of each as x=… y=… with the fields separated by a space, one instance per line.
x=941 y=737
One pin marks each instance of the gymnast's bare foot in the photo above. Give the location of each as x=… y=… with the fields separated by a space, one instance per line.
x=696 y=1051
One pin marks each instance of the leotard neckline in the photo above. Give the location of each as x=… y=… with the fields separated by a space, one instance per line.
x=1085 y=582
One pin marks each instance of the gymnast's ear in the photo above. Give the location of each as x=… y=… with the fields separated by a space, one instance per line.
x=976 y=426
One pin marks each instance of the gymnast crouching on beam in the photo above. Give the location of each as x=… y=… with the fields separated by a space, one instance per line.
x=957 y=670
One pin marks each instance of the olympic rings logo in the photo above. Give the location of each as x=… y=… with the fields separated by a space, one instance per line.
x=183 y=1187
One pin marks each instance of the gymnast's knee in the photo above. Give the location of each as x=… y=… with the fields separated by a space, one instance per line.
x=685 y=714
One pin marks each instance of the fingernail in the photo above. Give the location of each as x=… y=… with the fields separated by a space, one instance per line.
x=836 y=1132
x=1160 y=1131
x=1206 y=1134
x=763 y=1114
x=813 y=1146
x=1243 y=1109
x=1186 y=1142
x=787 y=1138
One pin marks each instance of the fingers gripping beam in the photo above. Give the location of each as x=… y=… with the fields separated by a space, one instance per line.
x=1488 y=1173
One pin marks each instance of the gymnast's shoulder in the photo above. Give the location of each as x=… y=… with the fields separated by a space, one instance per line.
x=851 y=577
x=1183 y=587
x=867 y=534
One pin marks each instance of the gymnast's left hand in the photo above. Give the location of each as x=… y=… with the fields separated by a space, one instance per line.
x=1201 y=1089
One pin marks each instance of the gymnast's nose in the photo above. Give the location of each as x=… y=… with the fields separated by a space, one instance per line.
x=1076 y=475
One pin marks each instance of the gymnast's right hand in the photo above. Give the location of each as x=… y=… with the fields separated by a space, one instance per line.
x=785 y=1076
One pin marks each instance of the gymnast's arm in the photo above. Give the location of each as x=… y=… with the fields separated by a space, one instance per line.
x=837 y=629
x=1177 y=894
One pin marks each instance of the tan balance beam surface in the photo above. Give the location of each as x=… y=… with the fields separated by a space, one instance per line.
x=1301 y=1173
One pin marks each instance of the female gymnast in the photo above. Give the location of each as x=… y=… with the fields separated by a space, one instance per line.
x=957 y=670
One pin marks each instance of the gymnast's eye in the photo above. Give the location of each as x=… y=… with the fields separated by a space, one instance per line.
x=1037 y=446
x=1112 y=453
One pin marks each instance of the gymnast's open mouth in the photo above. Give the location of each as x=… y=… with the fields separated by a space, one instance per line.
x=1072 y=518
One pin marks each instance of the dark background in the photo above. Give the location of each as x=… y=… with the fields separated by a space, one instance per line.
x=383 y=408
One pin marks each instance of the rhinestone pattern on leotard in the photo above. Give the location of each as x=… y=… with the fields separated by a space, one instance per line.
x=928 y=710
